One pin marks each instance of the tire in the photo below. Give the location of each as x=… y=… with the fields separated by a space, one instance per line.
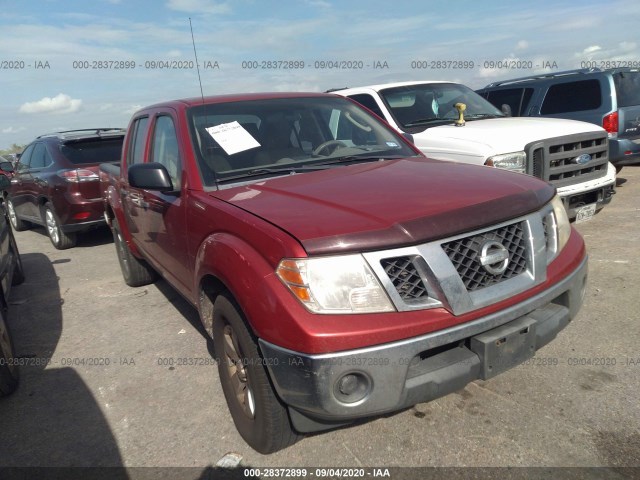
x=135 y=272
x=260 y=417
x=9 y=373
x=17 y=224
x=18 y=270
x=618 y=169
x=59 y=239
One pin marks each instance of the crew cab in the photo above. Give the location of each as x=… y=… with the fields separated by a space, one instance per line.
x=340 y=272
x=572 y=155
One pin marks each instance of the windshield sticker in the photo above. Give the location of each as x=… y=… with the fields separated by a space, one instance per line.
x=232 y=137
x=392 y=144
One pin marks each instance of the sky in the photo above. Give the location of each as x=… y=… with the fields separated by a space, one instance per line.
x=68 y=64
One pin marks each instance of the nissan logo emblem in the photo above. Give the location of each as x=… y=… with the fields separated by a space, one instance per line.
x=494 y=257
x=582 y=159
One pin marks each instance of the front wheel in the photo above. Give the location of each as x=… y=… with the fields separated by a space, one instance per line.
x=17 y=224
x=59 y=239
x=261 y=419
x=135 y=272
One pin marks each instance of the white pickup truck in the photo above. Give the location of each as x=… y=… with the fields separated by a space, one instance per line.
x=571 y=155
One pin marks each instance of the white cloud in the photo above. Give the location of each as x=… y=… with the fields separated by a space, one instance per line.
x=106 y=106
x=61 y=103
x=198 y=6
x=132 y=109
x=318 y=3
x=174 y=53
x=522 y=45
x=13 y=129
x=591 y=49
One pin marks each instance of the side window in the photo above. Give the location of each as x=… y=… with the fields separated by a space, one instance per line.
x=516 y=98
x=25 y=158
x=572 y=97
x=165 y=148
x=367 y=101
x=136 y=147
x=40 y=158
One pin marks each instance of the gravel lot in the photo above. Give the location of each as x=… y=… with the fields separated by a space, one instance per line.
x=109 y=398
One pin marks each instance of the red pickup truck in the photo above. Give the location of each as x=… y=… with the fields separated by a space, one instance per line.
x=340 y=273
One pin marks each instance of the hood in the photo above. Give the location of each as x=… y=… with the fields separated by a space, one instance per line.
x=388 y=204
x=501 y=135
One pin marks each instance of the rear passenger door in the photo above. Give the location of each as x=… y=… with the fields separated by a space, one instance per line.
x=163 y=230
x=577 y=100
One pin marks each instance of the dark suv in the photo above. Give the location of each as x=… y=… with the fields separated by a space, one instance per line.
x=609 y=98
x=56 y=182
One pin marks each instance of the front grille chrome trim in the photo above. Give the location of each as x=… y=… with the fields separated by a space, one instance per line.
x=443 y=283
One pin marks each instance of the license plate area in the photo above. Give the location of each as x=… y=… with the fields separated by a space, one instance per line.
x=505 y=347
x=584 y=214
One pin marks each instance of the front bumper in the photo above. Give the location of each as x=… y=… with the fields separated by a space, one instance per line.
x=599 y=191
x=390 y=377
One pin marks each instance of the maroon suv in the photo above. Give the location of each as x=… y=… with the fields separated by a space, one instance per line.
x=56 y=182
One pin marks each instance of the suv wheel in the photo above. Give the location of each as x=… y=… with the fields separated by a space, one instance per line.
x=9 y=373
x=136 y=272
x=17 y=224
x=261 y=419
x=59 y=239
x=18 y=271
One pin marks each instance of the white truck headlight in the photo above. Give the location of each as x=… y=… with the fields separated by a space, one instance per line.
x=515 y=161
x=563 y=226
x=557 y=228
x=341 y=284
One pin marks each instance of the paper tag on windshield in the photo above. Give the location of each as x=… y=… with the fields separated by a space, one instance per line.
x=232 y=137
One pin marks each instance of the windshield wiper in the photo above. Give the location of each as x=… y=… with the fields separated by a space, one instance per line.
x=424 y=121
x=256 y=172
x=359 y=158
x=476 y=116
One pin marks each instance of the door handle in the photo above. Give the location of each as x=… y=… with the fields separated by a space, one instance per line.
x=138 y=199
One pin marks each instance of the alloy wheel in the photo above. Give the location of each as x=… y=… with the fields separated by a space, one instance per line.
x=238 y=372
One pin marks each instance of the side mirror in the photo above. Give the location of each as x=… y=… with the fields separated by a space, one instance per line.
x=408 y=136
x=6 y=167
x=150 y=176
x=4 y=182
x=506 y=109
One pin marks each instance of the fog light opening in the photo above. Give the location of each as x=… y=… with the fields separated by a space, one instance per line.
x=352 y=387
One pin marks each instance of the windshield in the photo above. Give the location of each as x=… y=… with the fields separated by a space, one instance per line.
x=430 y=104
x=257 y=138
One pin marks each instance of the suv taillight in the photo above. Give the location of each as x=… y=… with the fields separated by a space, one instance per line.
x=610 y=123
x=79 y=175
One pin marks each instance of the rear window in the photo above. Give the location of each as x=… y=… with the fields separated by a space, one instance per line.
x=94 y=151
x=627 y=88
x=572 y=97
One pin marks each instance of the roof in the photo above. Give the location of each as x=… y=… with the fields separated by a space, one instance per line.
x=383 y=86
x=85 y=133
x=235 y=97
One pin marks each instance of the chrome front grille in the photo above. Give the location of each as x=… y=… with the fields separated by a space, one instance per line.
x=405 y=277
x=465 y=272
x=558 y=160
x=465 y=253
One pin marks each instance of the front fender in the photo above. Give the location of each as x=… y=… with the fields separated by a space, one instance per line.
x=251 y=280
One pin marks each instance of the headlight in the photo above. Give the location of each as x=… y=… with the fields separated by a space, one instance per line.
x=563 y=226
x=343 y=284
x=556 y=229
x=516 y=161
